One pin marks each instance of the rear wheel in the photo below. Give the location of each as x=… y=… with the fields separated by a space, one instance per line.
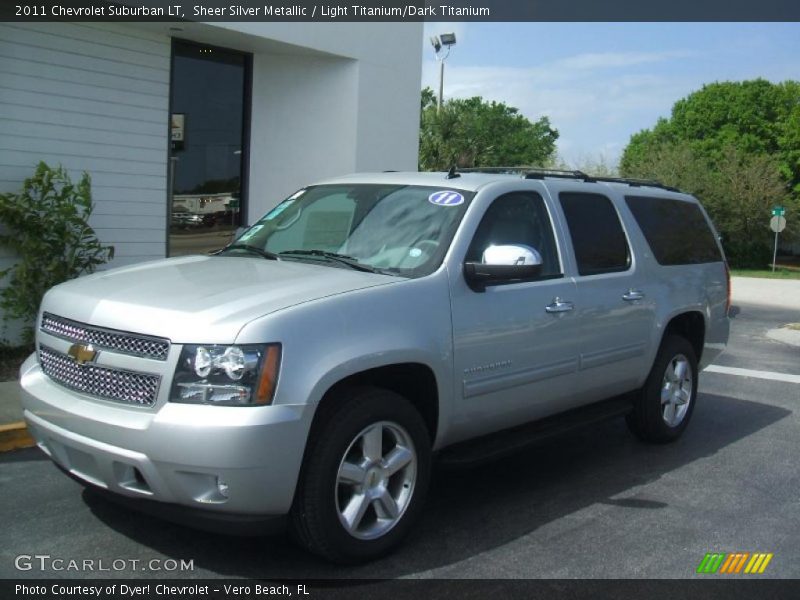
x=663 y=407
x=365 y=476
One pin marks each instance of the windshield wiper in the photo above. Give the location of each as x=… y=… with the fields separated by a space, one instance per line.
x=340 y=258
x=253 y=249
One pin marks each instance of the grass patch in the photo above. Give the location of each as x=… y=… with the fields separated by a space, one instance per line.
x=780 y=273
x=11 y=359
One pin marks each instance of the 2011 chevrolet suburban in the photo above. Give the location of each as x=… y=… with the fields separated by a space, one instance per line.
x=314 y=366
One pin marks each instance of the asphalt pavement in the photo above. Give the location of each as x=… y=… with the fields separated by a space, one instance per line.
x=594 y=503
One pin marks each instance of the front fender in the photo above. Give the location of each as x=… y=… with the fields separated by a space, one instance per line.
x=327 y=340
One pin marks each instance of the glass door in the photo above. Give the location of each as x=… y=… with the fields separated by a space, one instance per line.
x=209 y=99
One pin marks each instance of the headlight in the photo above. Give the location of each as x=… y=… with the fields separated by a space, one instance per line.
x=226 y=375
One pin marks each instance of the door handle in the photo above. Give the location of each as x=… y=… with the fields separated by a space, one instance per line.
x=558 y=306
x=632 y=295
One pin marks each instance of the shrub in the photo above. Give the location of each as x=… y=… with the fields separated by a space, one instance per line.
x=46 y=225
x=747 y=254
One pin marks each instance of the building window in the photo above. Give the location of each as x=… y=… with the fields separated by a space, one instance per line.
x=209 y=99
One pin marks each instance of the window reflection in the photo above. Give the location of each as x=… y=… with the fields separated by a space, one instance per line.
x=208 y=108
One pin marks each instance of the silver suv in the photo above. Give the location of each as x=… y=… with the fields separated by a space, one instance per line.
x=312 y=368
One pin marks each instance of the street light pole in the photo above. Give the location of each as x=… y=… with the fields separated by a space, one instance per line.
x=441 y=48
x=441 y=84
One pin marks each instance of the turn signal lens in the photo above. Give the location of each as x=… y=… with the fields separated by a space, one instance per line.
x=269 y=375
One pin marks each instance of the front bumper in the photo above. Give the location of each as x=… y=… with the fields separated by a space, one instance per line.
x=197 y=518
x=233 y=460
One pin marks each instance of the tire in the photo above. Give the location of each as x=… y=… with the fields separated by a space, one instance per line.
x=364 y=478
x=664 y=405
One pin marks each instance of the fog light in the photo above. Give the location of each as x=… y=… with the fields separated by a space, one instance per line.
x=222 y=487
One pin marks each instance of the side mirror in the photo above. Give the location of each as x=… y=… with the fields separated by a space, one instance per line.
x=502 y=264
x=239 y=231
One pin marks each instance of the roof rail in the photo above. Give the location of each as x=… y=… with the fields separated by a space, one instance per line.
x=634 y=182
x=528 y=172
x=540 y=173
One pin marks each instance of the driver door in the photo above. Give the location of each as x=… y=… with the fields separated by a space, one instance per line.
x=515 y=343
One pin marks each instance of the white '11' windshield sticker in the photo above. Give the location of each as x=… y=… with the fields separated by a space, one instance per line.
x=446 y=198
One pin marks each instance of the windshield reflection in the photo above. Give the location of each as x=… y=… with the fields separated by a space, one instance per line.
x=403 y=230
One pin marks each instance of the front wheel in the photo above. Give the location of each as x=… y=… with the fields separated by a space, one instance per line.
x=365 y=476
x=664 y=405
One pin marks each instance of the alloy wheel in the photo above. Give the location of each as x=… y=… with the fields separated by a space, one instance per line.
x=676 y=390
x=376 y=480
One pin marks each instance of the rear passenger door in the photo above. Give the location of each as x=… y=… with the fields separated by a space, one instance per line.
x=615 y=314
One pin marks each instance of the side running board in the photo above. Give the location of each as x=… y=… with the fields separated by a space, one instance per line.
x=509 y=441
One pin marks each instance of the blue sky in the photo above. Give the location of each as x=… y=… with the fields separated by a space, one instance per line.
x=601 y=82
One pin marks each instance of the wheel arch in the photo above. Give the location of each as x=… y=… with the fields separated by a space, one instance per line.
x=415 y=381
x=691 y=325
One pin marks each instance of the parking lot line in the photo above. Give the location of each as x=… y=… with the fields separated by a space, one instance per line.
x=771 y=375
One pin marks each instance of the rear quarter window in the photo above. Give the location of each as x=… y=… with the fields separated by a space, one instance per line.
x=676 y=231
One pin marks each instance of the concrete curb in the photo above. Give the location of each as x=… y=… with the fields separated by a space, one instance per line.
x=785 y=335
x=14 y=436
x=13 y=432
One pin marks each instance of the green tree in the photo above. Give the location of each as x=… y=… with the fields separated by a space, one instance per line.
x=46 y=225
x=427 y=99
x=474 y=133
x=596 y=165
x=736 y=145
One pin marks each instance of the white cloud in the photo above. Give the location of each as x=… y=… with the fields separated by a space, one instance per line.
x=614 y=60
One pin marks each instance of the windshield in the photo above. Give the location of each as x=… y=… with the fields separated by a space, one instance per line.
x=400 y=230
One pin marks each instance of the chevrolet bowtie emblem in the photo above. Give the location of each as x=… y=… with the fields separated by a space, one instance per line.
x=82 y=353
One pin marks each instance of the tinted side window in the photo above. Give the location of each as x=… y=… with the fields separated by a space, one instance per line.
x=676 y=230
x=597 y=235
x=517 y=218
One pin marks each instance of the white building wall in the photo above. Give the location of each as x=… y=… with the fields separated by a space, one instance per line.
x=303 y=125
x=388 y=44
x=92 y=98
x=388 y=117
x=389 y=63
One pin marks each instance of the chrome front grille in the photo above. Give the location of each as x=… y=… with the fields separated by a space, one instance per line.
x=118 y=341
x=111 y=384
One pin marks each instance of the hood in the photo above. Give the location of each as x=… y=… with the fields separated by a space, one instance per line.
x=199 y=299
